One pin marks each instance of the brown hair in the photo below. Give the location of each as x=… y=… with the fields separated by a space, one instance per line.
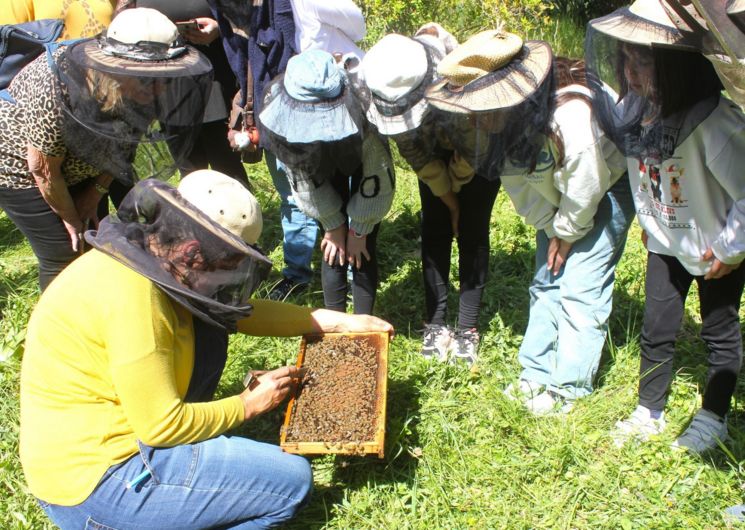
x=566 y=72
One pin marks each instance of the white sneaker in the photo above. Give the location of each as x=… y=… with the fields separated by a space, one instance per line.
x=704 y=432
x=523 y=390
x=640 y=426
x=548 y=402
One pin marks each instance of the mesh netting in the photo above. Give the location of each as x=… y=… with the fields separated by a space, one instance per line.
x=132 y=119
x=197 y=262
x=506 y=110
x=647 y=99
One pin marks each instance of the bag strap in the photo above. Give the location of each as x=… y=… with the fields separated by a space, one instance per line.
x=248 y=109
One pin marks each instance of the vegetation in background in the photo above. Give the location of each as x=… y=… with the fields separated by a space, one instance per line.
x=561 y=22
x=458 y=454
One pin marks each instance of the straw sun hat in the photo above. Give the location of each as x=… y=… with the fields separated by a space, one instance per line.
x=491 y=70
x=646 y=22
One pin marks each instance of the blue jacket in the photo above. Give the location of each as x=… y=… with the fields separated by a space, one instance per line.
x=270 y=44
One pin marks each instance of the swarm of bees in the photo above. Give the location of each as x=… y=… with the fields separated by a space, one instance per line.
x=336 y=400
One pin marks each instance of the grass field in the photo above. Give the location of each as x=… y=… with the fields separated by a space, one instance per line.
x=458 y=454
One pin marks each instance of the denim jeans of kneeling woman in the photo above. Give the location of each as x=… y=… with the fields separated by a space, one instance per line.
x=225 y=482
x=569 y=312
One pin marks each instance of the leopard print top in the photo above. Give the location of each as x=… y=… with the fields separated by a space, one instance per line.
x=35 y=119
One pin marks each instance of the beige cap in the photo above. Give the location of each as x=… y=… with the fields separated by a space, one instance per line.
x=226 y=201
x=142 y=24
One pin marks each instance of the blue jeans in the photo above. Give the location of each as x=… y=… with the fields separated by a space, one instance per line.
x=569 y=312
x=300 y=231
x=225 y=482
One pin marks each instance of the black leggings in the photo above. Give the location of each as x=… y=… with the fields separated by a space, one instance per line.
x=476 y=202
x=667 y=286
x=211 y=149
x=365 y=279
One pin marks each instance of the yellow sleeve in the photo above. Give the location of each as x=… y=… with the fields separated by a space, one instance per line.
x=277 y=319
x=435 y=175
x=149 y=344
x=460 y=172
x=17 y=11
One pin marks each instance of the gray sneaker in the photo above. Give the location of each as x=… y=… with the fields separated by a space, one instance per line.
x=436 y=342
x=465 y=347
x=704 y=433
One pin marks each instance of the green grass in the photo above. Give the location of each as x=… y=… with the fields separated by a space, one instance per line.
x=458 y=455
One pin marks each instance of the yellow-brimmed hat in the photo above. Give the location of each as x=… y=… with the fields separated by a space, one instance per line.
x=491 y=70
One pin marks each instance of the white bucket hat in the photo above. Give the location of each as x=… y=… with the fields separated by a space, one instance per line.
x=398 y=70
x=225 y=201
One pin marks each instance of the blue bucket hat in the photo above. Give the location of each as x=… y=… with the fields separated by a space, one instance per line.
x=309 y=107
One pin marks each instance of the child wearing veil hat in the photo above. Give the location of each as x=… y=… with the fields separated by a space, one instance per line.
x=660 y=100
x=456 y=199
x=567 y=181
x=340 y=170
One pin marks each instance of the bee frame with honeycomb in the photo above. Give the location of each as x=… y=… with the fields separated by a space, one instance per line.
x=340 y=406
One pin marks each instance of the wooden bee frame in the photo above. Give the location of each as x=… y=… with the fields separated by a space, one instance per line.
x=376 y=446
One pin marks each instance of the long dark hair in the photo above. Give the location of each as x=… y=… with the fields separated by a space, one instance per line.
x=682 y=78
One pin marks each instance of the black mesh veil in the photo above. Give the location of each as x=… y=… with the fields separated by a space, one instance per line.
x=320 y=157
x=130 y=118
x=627 y=80
x=195 y=261
x=507 y=109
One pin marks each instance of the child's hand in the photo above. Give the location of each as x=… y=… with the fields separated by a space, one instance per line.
x=645 y=238
x=356 y=248
x=558 y=250
x=334 y=244
x=451 y=201
x=717 y=269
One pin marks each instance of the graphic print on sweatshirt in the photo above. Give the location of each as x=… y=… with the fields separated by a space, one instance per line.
x=663 y=186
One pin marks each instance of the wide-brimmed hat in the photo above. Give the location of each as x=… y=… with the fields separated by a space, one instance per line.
x=491 y=70
x=226 y=201
x=140 y=42
x=398 y=70
x=646 y=22
x=311 y=106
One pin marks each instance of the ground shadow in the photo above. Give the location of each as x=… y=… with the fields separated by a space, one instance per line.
x=350 y=473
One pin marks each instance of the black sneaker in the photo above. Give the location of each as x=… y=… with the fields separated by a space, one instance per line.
x=284 y=288
x=436 y=342
x=466 y=348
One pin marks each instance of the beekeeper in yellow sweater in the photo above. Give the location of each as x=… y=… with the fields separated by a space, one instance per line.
x=123 y=354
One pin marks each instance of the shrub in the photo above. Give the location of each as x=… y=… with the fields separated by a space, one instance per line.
x=463 y=18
